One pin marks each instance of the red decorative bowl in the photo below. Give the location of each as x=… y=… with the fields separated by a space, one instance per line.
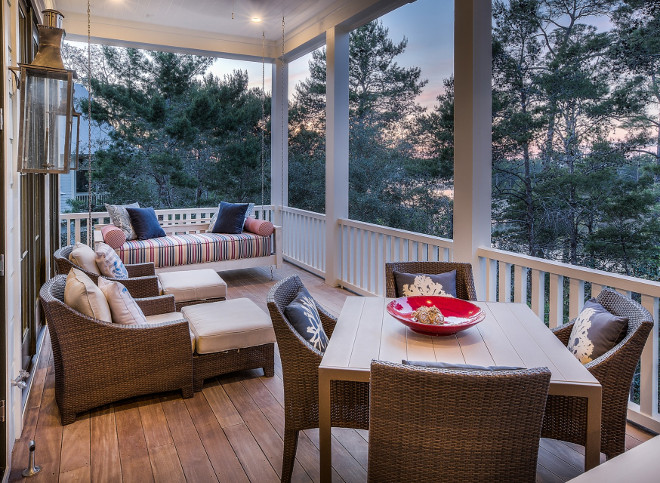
x=459 y=314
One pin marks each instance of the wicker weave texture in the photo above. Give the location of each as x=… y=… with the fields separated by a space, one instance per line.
x=97 y=363
x=436 y=425
x=464 y=280
x=142 y=281
x=300 y=362
x=566 y=417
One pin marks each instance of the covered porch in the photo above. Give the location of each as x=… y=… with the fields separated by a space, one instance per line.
x=231 y=431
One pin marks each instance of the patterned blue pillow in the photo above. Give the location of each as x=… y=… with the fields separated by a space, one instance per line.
x=304 y=317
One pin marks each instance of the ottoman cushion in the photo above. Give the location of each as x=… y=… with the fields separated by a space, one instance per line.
x=189 y=285
x=230 y=324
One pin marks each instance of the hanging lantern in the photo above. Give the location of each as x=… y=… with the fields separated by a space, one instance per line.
x=47 y=116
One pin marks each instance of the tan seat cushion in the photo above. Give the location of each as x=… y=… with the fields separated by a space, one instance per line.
x=170 y=317
x=81 y=294
x=188 y=285
x=83 y=256
x=230 y=324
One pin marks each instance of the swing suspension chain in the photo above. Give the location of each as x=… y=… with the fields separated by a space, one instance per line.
x=284 y=128
x=263 y=111
x=90 y=232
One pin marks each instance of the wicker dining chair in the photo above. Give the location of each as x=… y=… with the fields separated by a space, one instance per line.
x=97 y=362
x=446 y=425
x=464 y=280
x=142 y=281
x=566 y=417
x=300 y=362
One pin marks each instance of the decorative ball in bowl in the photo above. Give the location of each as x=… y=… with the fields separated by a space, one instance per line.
x=434 y=315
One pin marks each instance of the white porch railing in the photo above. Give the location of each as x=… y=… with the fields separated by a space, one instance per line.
x=304 y=239
x=505 y=276
x=366 y=247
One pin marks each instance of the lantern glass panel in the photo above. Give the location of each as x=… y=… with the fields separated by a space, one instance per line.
x=45 y=120
x=75 y=134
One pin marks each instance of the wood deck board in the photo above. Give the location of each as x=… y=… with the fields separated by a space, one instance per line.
x=232 y=431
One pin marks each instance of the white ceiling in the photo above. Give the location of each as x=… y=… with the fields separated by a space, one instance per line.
x=207 y=26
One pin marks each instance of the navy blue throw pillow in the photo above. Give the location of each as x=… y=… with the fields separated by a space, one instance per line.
x=304 y=317
x=145 y=223
x=231 y=217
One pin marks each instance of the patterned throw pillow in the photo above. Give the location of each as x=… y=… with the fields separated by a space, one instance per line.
x=304 y=317
x=109 y=262
x=120 y=218
x=83 y=256
x=81 y=294
x=123 y=306
x=409 y=284
x=595 y=332
x=214 y=218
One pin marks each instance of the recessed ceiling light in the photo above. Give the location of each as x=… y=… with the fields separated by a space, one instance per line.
x=256 y=19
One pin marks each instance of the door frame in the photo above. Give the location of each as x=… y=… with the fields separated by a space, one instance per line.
x=3 y=311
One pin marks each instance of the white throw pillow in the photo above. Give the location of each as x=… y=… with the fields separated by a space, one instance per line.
x=84 y=257
x=81 y=294
x=123 y=306
x=109 y=262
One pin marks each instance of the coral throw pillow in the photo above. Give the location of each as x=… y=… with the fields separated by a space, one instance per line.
x=113 y=236
x=259 y=227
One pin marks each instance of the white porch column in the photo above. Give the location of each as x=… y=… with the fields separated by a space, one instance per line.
x=279 y=146
x=472 y=133
x=336 y=149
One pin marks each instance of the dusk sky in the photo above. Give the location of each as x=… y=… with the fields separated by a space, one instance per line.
x=427 y=24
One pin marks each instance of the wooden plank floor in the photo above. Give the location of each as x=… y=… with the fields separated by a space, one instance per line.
x=231 y=431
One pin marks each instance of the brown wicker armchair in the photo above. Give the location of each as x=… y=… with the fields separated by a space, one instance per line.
x=464 y=281
x=97 y=363
x=565 y=417
x=142 y=281
x=300 y=361
x=437 y=425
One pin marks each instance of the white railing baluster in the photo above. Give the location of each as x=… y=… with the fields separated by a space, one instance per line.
x=538 y=293
x=491 y=280
x=575 y=297
x=648 y=379
x=504 y=282
x=556 y=309
x=520 y=284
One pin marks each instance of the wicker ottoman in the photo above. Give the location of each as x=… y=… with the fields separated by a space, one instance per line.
x=232 y=335
x=191 y=287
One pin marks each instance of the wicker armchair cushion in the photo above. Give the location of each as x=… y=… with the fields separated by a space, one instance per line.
x=122 y=305
x=305 y=318
x=121 y=219
x=83 y=256
x=109 y=262
x=169 y=317
x=81 y=294
x=595 y=331
x=113 y=236
x=460 y=367
x=408 y=284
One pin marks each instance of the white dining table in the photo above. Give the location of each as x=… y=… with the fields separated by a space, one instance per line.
x=510 y=335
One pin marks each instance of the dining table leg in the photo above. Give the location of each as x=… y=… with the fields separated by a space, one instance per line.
x=325 y=427
x=592 y=446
